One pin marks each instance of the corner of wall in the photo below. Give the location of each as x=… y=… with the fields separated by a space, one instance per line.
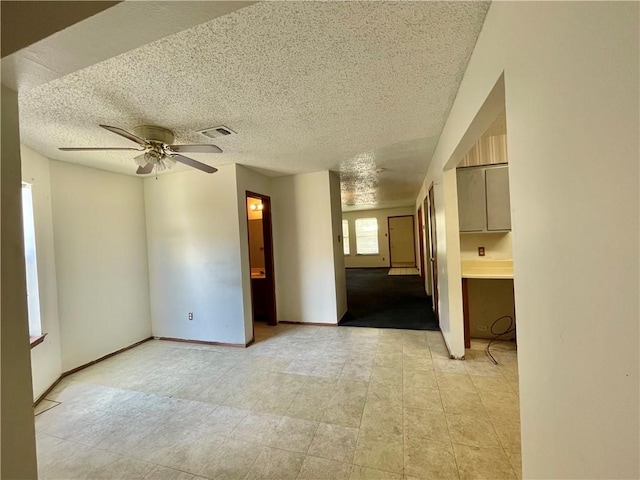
x=18 y=454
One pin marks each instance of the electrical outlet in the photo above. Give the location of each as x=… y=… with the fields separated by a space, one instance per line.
x=481 y=328
x=190 y=315
x=481 y=251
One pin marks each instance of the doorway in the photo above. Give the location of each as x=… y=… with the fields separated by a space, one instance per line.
x=402 y=244
x=433 y=250
x=263 y=295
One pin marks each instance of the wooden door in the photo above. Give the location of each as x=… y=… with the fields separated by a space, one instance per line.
x=427 y=258
x=433 y=250
x=402 y=243
x=421 y=240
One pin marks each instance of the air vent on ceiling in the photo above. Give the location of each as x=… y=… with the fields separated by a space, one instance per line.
x=216 y=132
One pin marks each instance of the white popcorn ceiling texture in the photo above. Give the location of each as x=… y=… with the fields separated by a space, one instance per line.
x=346 y=86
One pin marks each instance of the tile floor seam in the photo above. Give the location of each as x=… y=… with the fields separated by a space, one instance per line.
x=404 y=466
x=254 y=462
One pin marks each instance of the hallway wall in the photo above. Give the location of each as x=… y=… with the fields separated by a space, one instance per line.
x=17 y=432
x=572 y=121
x=46 y=361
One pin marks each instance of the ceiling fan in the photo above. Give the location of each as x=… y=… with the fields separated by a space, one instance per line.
x=159 y=152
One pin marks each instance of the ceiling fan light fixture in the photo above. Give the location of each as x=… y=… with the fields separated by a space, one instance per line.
x=140 y=160
x=165 y=163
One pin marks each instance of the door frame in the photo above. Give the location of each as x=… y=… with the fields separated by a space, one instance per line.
x=421 y=241
x=267 y=233
x=433 y=251
x=413 y=234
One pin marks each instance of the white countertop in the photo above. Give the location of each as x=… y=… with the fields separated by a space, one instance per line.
x=488 y=269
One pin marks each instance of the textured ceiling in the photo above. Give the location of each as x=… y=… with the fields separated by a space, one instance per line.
x=359 y=88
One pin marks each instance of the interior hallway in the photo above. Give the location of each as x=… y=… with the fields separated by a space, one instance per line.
x=303 y=402
x=380 y=300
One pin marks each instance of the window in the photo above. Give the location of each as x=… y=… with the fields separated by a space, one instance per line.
x=345 y=237
x=33 y=297
x=367 y=236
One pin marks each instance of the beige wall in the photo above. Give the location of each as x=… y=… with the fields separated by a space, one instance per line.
x=488 y=301
x=304 y=248
x=101 y=261
x=497 y=246
x=17 y=434
x=572 y=115
x=382 y=259
x=194 y=250
x=256 y=244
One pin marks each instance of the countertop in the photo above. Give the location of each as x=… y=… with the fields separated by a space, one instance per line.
x=489 y=269
x=258 y=273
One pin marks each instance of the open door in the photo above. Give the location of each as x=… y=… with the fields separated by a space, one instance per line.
x=263 y=294
x=402 y=244
x=433 y=250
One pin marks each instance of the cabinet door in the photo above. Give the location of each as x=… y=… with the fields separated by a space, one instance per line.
x=472 y=212
x=498 y=206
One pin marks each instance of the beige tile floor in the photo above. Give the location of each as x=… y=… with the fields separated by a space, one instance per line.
x=403 y=271
x=304 y=402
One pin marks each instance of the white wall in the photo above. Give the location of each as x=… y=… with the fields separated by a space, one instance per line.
x=252 y=181
x=101 y=261
x=338 y=251
x=306 y=276
x=572 y=122
x=195 y=256
x=382 y=259
x=46 y=364
x=18 y=454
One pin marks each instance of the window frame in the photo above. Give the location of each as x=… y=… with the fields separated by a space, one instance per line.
x=376 y=236
x=34 y=312
x=346 y=246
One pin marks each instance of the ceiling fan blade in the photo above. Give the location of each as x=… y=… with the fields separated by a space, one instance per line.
x=123 y=133
x=194 y=163
x=77 y=149
x=148 y=168
x=200 y=148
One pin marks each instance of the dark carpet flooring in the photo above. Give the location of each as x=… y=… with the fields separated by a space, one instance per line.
x=376 y=299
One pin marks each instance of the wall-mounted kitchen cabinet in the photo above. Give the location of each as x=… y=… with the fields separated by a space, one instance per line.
x=483 y=199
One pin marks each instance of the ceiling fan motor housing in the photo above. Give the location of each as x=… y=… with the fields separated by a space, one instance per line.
x=154 y=134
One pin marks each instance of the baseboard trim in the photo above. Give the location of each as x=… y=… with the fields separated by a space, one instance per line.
x=82 y=367
x=315 y=324
x=205 y=342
